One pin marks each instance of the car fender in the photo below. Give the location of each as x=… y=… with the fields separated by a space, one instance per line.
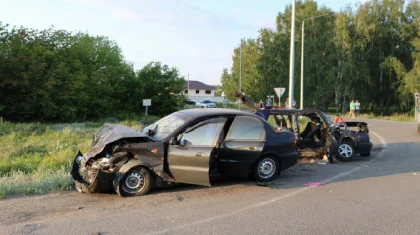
x=345 y=137
x=131 y=164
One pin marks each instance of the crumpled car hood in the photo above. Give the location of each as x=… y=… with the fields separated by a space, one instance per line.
x=110 y=133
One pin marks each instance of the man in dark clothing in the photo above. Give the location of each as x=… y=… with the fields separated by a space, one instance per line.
x=312 y=130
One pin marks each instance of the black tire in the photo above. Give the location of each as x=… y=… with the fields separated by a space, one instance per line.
x=346 y=151
x=365 y=154
x=136 y=182
x=265 y=169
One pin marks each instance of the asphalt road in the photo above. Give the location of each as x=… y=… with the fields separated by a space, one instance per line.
x=375 y=195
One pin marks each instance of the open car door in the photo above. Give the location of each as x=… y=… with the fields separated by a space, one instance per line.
x=189 y=156
x=246 y=100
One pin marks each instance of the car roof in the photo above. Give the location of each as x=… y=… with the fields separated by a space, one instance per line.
x=202 y=112
x=293 y=111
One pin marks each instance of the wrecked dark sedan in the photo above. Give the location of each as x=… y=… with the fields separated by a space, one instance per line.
x=344 y=139
x=321 y=136
x=190 y=146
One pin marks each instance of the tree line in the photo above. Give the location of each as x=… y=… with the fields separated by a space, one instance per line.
x=60 y=76
x=368 y=51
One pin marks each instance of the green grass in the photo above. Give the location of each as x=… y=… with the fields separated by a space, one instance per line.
x=36 y=158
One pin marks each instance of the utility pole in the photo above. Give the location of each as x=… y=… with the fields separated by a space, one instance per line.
x=302 y=56
x=292 y=55
x=301 y=66
x=240 y=72
x=416 y=107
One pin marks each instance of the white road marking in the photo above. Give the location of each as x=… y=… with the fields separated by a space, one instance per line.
x=276 y=199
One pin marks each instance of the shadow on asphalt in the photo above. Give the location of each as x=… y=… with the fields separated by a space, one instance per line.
x=390 y=163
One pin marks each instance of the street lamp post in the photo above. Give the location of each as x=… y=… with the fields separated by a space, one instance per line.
x=240 y=72
x=302 y=56
x=292 y=55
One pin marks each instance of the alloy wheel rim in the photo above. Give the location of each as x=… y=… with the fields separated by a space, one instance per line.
x=345 y=150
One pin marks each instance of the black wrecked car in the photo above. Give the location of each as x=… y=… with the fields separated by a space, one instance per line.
x=316 y=134
x=313 y=137
x=190 y=146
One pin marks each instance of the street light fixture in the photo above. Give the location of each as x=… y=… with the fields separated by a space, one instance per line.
x=301 y=55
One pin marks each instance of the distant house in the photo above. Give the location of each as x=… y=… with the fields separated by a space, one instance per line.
x=196 y=88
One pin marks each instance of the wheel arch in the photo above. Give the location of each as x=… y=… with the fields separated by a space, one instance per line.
x=348 y=138
x=132 y=164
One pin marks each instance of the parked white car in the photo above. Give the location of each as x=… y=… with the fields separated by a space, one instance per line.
x=205 y=103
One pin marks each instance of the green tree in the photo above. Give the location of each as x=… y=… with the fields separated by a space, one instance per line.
x=163 y=85
x=55 y=75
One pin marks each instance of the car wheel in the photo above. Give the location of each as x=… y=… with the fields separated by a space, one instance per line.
x=365 y=154
x=346 y=151
x=266 y=169
x=136 y=182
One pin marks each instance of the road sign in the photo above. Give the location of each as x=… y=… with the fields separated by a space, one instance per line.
x=147 y=102
x=279 y=91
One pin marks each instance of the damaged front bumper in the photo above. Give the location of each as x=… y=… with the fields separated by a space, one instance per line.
x=99 y=176
x=115 y=150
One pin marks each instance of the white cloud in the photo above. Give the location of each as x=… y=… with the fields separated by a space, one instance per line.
x=116 y=11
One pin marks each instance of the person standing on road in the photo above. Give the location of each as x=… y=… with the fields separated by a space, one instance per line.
x=224 y=102
x=268 y=104
x=352 y=108
x=357 y=108
x=261 y=104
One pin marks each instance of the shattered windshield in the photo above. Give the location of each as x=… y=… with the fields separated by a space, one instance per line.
x=165 y=126
x=327 y=119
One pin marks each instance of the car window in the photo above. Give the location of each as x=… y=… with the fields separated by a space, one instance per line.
x=247 y=128
x=204 y=135
x=327 y=119
x=303 y=121
x=277 y=120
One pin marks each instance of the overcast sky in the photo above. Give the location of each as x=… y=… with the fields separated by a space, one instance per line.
x=196 y=36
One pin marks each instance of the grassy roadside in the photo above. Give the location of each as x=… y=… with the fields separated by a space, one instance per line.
x=36 y=158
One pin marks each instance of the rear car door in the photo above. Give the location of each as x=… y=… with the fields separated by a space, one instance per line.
x=242 y=146
x=189 y=159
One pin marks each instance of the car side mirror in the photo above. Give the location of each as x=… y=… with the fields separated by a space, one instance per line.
x=173 y=141
x=185 y=143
